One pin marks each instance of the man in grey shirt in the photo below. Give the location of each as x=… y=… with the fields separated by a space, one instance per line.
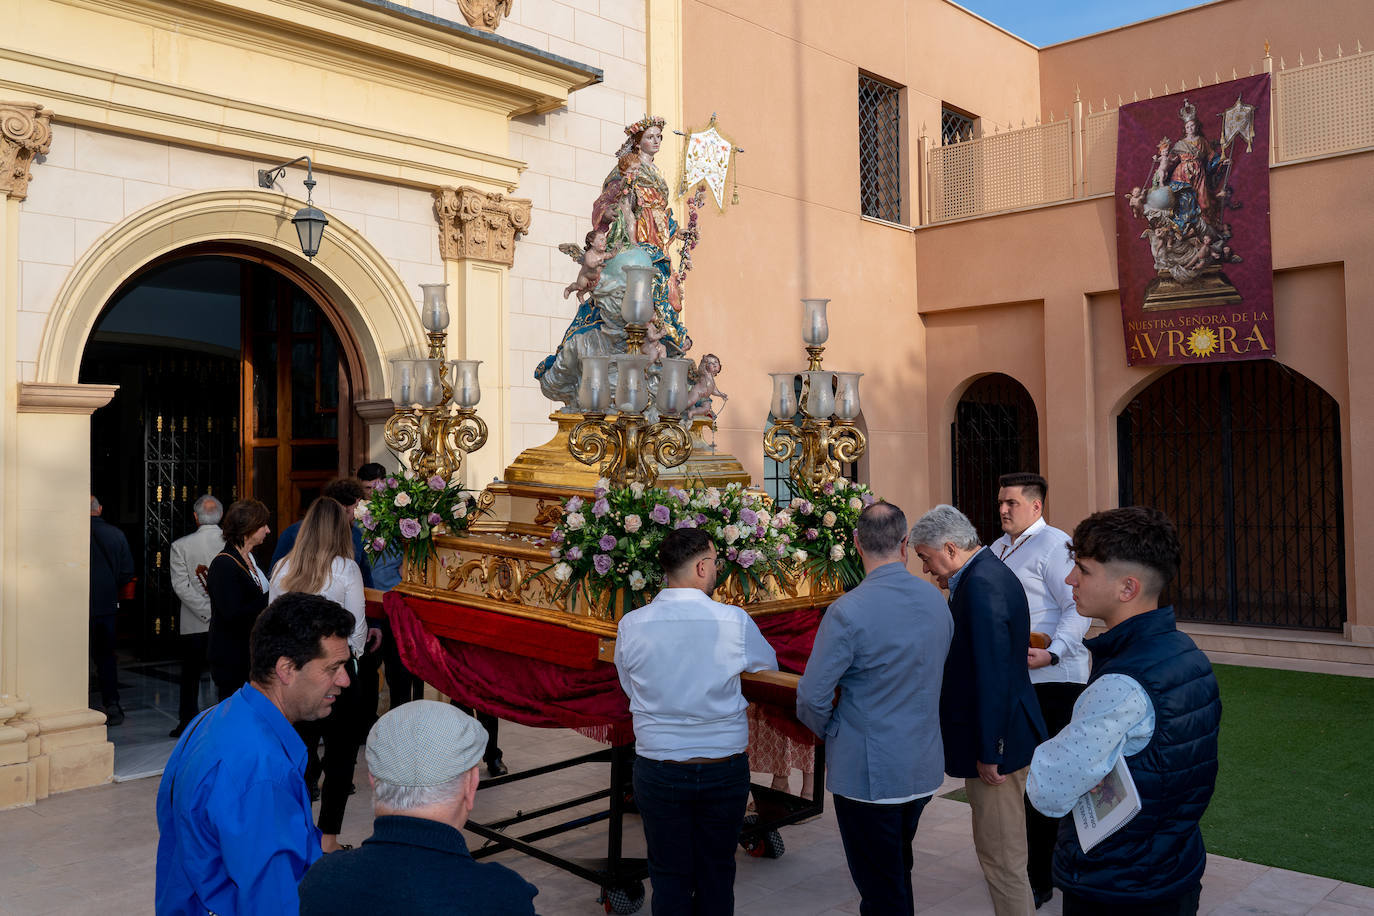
x=883 y=645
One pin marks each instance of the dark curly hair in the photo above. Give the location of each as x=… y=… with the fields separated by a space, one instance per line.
x=680 y=546
x=345 y=491
x=241 y=519
x=1138 y=535
x=294 y=627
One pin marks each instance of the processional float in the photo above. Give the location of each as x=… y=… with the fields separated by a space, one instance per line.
x=510 y=598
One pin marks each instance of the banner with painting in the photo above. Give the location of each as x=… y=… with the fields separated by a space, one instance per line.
x=1192 y=225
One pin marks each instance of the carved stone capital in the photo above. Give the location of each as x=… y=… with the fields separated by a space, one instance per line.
x=485 y=14
x=479 y=225
x=25 y=132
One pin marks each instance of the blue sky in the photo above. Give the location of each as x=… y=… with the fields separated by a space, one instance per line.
x=1044 y=22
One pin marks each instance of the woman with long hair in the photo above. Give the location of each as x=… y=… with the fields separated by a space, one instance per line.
x=238 y=593
x=321 y=563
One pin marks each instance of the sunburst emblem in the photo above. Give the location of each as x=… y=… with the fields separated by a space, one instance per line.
x=1203 y=342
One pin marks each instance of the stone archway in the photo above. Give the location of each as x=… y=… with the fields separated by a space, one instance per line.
x=368 y=293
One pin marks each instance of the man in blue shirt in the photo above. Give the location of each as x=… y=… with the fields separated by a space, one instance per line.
x=233 y=813
x=679 y=659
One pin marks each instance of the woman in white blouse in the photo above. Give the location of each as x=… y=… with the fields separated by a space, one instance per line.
x=321 y=562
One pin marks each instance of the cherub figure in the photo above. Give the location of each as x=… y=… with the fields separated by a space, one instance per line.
x=704 y=388
x=1136 y=201
x=592 y=256
x=653 y=335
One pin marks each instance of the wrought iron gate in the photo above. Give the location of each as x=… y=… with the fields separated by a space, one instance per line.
x=1245 y=458
x=996 y=431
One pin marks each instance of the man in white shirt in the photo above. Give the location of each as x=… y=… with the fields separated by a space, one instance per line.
x=1039 y=555
x=190 y=559
x=679 y=659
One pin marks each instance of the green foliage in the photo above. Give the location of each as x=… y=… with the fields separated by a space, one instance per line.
x=405 y=513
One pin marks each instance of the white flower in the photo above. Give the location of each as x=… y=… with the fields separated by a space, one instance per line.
x=636 y=580
x=555 y=552
x=764 y=518
x=828 y=520
x=360 y=510
x=633 y=523
x=637 y=489
x=782 y=519
x=713 y=498
x=855 y=503
x=603 y=483
x=402 y=499
x=460 y=510
x=841 y=483
x=837 y=552
x=797 y=502
x=799 y=556
x=731 y=534
x=575 y=521
x=562 y=572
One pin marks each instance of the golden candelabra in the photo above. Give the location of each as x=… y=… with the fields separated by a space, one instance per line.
x=629 y=448
x=435 y=418
x=825 y=438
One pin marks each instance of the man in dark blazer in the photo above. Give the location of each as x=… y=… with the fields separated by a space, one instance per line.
x=989 y=716
x=883 y=645
x=112 y=567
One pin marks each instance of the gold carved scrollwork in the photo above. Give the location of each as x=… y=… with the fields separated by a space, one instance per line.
x=25 y=132
x=506 y=579
x=479 y=225
x=547 y=514
x=485 y=14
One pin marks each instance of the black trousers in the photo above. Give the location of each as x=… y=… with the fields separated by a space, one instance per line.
x=1056 y=705
x=692 y=814
x=400 y=683
x=192 y=667
x=103 y=654
x=343 y=733
x=877 y=845
x=1186 y=905
x=493 y=727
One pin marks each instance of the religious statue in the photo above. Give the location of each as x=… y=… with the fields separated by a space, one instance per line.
x=704 y=388
x=1184 y=208
x=592 y=256
x=633 y=214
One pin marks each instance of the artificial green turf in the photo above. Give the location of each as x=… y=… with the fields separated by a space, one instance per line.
x=1295 y=788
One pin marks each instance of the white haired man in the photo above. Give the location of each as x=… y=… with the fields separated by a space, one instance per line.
x=190 y=561
x=422 y=760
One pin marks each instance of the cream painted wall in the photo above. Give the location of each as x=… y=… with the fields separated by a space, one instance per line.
x=93 y=179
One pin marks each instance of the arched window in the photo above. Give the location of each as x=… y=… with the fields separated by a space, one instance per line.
x=996 y=431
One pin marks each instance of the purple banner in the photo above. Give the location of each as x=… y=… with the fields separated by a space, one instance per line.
x=1192 y=225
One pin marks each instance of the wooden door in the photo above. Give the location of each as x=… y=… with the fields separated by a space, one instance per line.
x=296 y=434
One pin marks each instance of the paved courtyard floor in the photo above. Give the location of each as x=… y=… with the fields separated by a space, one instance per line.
x=92 y=851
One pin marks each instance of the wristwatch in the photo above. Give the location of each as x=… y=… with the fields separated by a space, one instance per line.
x=1054 y=659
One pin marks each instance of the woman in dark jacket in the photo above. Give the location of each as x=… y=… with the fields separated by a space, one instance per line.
x=238 y=593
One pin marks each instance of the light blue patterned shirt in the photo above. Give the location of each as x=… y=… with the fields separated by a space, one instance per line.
x=1112 y=718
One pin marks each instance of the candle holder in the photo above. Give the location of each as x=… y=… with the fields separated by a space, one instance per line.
x=435 y=418
x=628 y=448
x=826 y=438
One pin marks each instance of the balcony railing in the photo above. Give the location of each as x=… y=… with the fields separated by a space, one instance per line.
x=1321 y=108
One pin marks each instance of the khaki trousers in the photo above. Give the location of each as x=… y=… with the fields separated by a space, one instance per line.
x=999 y=836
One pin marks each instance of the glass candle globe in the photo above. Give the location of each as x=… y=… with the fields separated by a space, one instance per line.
x=815 y=327
x=847 y=395
x=632 y=389
x=672 y=387
x=638 y=307
x=784 y=403
x=593 y=389
x=467 y=390
x=428 y=376
x=820 y=396
x=403 y=383
x=434 y=309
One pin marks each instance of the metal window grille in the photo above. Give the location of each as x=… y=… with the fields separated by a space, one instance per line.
x=996 y=431
x=955 y=127
x=1245 y=459
x=880 y=175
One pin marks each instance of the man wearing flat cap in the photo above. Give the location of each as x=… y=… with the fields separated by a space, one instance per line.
x=422 y=761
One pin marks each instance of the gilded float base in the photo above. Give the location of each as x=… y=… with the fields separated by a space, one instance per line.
x=1210 y=288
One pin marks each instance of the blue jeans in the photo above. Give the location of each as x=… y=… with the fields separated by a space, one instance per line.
x=692 y=816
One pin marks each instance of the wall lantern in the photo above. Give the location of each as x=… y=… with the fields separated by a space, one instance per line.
x=309 y=221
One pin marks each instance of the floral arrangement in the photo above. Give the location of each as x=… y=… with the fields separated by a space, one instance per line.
x=611 y=542
x=825 y=521
x=406 y=512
